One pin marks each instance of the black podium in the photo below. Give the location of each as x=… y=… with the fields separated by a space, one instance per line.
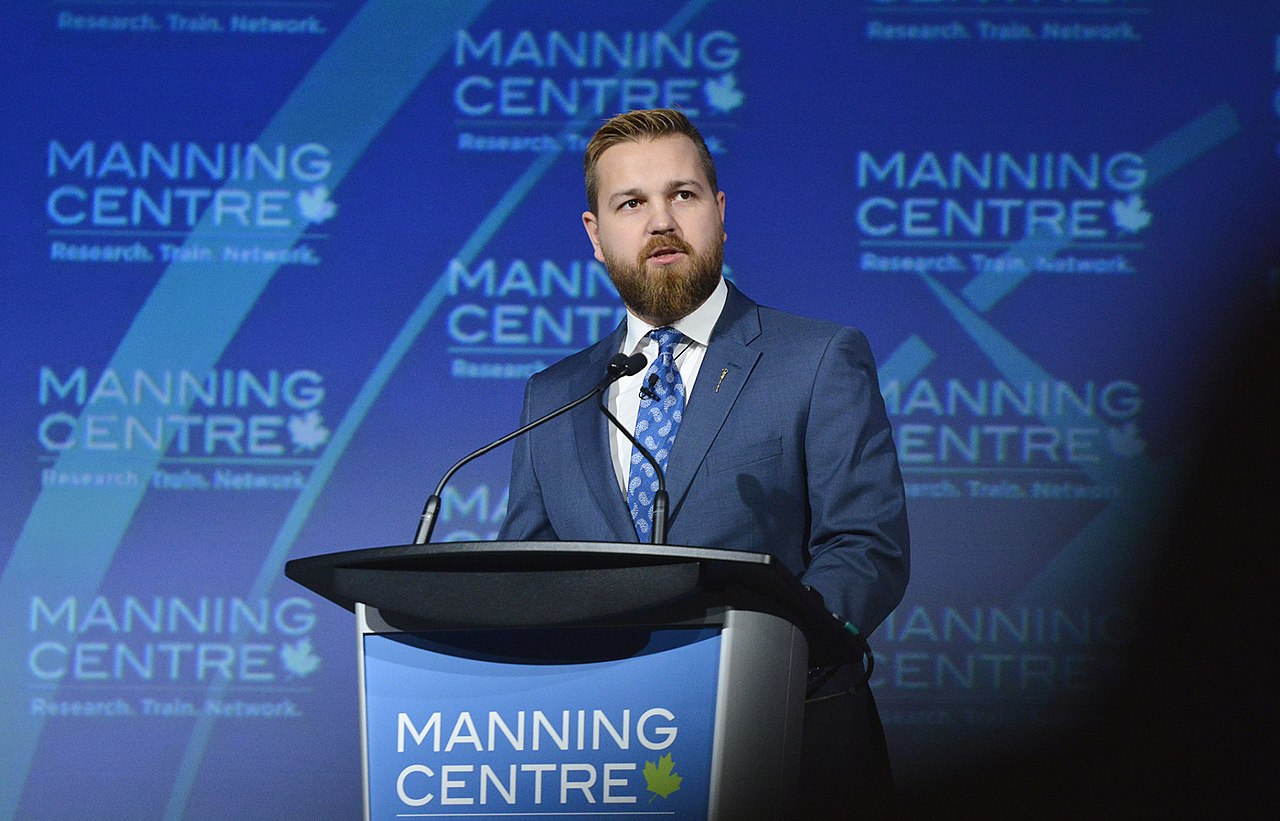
x=561 y=678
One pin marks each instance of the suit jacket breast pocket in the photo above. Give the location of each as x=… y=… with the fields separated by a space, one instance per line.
x=743 y=457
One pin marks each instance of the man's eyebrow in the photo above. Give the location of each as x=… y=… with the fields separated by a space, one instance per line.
x=672 y=185
x=691 y=182
x=625 y=195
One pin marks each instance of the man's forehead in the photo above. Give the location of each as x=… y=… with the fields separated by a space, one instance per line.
x=650 y=163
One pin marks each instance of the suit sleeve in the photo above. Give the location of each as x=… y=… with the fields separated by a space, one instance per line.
x=526 y=518
x=858 y=537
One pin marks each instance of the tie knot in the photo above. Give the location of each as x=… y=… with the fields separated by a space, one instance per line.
x=667 y=338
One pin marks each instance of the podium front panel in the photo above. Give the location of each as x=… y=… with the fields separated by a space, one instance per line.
x=538 y=722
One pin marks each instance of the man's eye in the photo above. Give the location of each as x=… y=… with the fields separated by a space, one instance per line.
x=684 y=195
x=629 y=204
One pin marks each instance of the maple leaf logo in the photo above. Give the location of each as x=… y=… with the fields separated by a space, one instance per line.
x=1130 y=215
x=314 y=204
x=723 y=93
x=308 y=431
x=299 y=659
x=1126 y=442
x=661 y=779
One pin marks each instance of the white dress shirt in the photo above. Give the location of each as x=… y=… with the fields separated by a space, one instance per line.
x=623 y=398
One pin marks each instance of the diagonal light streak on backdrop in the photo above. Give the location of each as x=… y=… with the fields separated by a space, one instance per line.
x=986 y=290
x=407 y=53
x=1103 y=558
x=1110 y=551
x=907 y=361
x=67 y=543
x=1161 y=159
x=1018 y=368
x=273 y=564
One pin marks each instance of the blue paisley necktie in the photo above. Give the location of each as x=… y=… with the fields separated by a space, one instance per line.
x=661 y=409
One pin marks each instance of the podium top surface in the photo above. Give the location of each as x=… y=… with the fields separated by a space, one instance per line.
x=539 y=584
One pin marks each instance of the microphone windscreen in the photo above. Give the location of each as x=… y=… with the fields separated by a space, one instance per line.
x=634 y=364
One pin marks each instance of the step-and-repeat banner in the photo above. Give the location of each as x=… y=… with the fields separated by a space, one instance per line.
x=270 y=268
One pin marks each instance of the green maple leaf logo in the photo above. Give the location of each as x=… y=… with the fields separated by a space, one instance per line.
x=661 y=779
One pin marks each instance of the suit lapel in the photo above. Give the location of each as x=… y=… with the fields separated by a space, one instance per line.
x=725 y=369
x=591 y=435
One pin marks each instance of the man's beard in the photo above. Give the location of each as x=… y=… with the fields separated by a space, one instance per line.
x=666 y=293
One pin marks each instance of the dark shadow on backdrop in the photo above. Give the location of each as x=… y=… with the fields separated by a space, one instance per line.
x=1192 y=732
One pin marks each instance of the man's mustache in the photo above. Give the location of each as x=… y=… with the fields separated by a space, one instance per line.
x=656 y=244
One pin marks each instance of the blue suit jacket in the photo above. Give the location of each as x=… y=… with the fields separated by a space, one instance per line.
x=790 y=454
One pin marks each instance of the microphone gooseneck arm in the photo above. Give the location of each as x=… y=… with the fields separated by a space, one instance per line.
x=620 y=366
x=659 y=533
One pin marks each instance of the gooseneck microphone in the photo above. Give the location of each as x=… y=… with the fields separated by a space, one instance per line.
x=659 y=533
x=621 y=365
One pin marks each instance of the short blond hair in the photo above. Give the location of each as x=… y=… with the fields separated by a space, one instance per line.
x=641 y=126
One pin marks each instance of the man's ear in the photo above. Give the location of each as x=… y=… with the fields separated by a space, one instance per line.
x=720 y=202
x=592 y=225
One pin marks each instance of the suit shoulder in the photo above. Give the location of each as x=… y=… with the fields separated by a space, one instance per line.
x=807 y=330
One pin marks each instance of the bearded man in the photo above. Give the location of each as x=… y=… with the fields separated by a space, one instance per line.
x=770 y=428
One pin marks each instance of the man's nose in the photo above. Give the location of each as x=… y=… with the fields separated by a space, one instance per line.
x=661 y=220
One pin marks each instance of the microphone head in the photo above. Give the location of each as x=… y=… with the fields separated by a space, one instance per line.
x=617 y=367
x=622 y=365
x=634 y=364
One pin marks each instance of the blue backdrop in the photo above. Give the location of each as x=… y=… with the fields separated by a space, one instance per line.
x=272 y=267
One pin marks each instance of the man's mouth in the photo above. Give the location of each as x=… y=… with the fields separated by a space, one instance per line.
x=666 y=254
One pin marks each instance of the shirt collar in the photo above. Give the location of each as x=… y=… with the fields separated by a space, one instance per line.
x=697 y=326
